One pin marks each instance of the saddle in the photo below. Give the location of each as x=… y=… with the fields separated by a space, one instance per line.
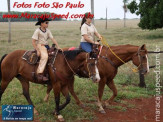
x=74 y=48
x=31 y=56
x=93 y=54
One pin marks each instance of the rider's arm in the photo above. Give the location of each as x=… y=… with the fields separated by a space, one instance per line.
x=55 y=42
x=89 y=40
x=34 y=44
x=34 y=39
x=98 y=35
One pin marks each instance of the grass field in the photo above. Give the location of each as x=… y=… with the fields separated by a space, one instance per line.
x=67 y=34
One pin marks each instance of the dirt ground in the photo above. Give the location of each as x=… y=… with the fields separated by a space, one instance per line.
x=143 y=111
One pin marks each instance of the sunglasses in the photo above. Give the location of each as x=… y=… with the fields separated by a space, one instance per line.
x=46 y=22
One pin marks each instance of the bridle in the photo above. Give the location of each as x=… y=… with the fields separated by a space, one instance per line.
x=87 y=62
x=112 y=63
x=140 y=58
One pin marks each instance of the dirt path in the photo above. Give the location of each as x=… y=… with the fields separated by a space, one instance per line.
x=143 y=111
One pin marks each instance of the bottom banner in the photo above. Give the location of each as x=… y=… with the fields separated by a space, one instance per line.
x=17 y=112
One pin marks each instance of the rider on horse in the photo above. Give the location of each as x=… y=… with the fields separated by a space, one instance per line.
x=88 y=32
x=40 y=43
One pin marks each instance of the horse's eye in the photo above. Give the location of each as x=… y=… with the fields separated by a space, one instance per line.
x=143 y=57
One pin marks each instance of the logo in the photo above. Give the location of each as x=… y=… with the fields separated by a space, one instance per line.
x=17 y=112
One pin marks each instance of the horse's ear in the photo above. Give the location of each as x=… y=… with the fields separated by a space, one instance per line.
x=143 y=47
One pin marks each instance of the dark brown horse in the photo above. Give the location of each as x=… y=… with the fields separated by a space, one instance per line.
x=108 y=65
x=60 y=73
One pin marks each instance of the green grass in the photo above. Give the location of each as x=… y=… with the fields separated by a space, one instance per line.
x=68 y=34
x=118 y=108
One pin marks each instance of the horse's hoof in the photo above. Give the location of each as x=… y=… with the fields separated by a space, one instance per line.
x=60 y=118
x=102 y=111
x=45 y=100
x=106 y=104
x=36 y=112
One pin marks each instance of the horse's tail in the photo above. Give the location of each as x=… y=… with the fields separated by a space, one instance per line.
x=0 y=66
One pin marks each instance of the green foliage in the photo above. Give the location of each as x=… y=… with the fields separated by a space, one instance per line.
x=133 y=6
x=150 y=11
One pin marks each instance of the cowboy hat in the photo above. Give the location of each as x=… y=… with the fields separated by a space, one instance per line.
x=41 y=20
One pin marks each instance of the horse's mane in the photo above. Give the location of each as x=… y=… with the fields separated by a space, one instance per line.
x=120 y=47
x=72 y=54
x=123 y=46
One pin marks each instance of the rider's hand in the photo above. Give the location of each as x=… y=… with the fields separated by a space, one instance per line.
x=38 y=53
x=60 y=49
x=97 y=43
x=100 y=37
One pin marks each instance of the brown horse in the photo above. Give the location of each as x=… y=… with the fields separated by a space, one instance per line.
x=108 y=67
x=60 y=73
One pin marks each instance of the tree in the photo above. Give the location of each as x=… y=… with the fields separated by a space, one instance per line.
x=150 y=11
x=125 y=11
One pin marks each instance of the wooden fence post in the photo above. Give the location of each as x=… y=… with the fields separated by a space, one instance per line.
x=141 y=78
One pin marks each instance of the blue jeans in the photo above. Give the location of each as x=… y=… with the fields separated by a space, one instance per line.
x=47 y=47
x=86 y=46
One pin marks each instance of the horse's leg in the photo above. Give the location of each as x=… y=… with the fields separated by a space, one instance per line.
x=57 y=90
x=101 y=86
x=49 y=88
x=4 y=84
x=71 y=89
x=65 y=92
x=7 y=77
x=25 y=87
x=112 y=86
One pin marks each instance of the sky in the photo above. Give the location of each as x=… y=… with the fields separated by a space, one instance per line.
x=114 y=7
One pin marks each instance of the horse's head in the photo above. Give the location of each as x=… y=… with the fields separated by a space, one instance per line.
x=91 y=67
x=84 y=64
x=88 y=67
x=141 y=59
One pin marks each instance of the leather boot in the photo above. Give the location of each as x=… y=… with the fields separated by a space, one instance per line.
x=41 y=77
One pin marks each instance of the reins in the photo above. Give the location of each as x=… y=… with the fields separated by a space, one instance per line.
x=104 y=42
x=71 y=67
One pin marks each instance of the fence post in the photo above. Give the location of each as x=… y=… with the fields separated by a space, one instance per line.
x=92 y=10
x=141 y=78
x=9 y=22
